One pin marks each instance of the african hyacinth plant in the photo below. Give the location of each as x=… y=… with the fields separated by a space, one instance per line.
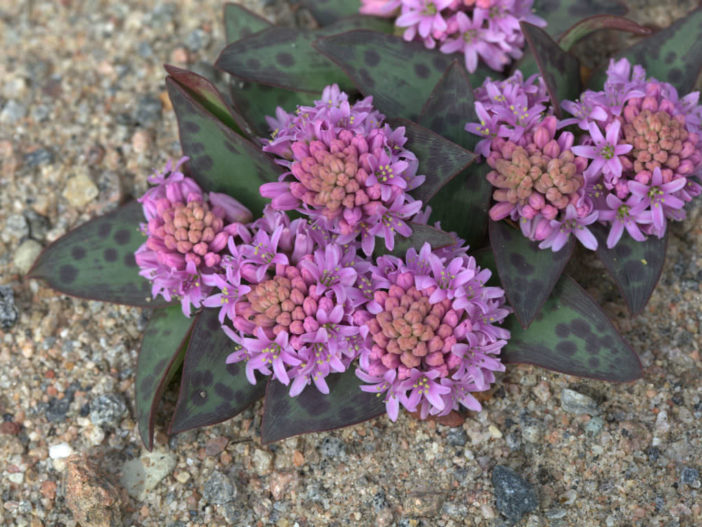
x=353 y=230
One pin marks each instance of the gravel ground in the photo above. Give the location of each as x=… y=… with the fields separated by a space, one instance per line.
x=84 y=119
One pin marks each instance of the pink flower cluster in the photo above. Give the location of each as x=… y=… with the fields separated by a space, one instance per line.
x=629 y=167
x=480 y=29
x=302 y=299
x=348 y=172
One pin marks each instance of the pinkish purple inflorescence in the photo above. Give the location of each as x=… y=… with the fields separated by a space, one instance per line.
x=430 y=332
x=480 y=29
x=642 y=171
x=348 y=172
x=186 y=233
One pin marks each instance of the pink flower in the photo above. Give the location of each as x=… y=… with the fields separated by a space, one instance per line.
x=605 y=152
x=473 y=40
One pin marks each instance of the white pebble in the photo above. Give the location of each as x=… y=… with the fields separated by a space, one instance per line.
x=60 y=451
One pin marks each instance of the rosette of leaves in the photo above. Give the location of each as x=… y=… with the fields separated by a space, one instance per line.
x=555 y=324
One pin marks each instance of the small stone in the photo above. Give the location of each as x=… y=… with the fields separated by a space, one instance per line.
x=80 y=190
x=60 y=451
x=148 y=110
x=141 y=141
x=48 y=489
x=456 y=437
x=182 y=477
x=218 y=489
x=25 y=255
x=107 y=410
x=38 y=224
x=8 y=311
x=262 y=461
x=12 y=112
x=179 y=55
x=332 y=447
x=494 y=432
x=423 y=503
x=531 y=433
x=37 y=157
x=143 y=474
x=594 y=426
x=94 y=435
x=514 y=496
x=16 y=228
x=577 y=403
x=690 y=476
x=92 y=498
x=280 y=481
x=216 y=446
x=197 y=39
x=16 y=478
x=56 y=409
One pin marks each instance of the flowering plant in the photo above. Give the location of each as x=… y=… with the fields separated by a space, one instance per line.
x=324 y=235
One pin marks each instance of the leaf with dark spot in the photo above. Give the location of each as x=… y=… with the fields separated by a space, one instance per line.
x=220 y=160
x=400 y=75
x=597 y=22
x=161 y=354
x=635 y=266
x=671 y=55
x=560 y=14
x=96 y=260
x=211 y=391
x=559 y=69
x=204 y=92
x=421 y=234
x=240 y=23
x=439 y=159
x=528 y=274
x=284 y=57
x=312 y=411
x=329 y=11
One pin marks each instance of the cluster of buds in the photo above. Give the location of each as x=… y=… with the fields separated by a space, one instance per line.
x=480 y=29
x=302 y=299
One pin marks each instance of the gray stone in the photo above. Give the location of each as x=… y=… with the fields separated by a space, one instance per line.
x=25 y=255
x=594 y=426
x=332 y=447
x=577 y=403
x=219 y=489
x=38 y=157
x=197 y=40
x=12 y=112
x=80 y=190
x=16 y=228
x=690 y=476
x=148 y=110
x=514 y=496
x=107 y=410
x=38 y=224
x=8 y=311
x=456 y=437
x=143 y=474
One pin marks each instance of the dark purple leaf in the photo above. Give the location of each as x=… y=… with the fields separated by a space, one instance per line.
x=560 y=14
x=597 y=22
x=312 y=411
x=240 y=23
x=329 y=11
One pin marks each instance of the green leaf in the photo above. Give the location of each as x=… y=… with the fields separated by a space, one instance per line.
x=96 y=260
x=439 y=159
x=559 y=69
x=161 y=354
x=597 y=22
x=671 y=55
x=635 y=266
x=312 y=411
x=528 y=274
x=329 y=11
x=211 y=391
x=572 y=335
x=220 y=160
x=400 y=75
x=421 y=234
x=284 y=57
x=240 y=23
x=560 y=14
x=204 y=92
x=462 y=204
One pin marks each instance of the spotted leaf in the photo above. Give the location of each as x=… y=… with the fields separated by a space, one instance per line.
x=162 y=350
x=421 y=234
x=240 y=23
x=597 y=22
x=220 y=160
x=204 y=92
x=528 y=274
x=400 y=75
x=440 y=160
x=671 y=55
x=329 y=11
x=284 y=57
x=559 y=69
x=96 y=260
x=461 y=205
x=211 y=391
x=635 y=266
x=312 y=411
x=560 y=14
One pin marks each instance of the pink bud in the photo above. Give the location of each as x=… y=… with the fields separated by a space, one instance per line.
x=500 y=211
x=219 y=242
x=309 y=306
x=549 y=212
x=643 y=177
x=552 y=149
x=541 y=136
x=528 y=212
x=649 y=103
x=542 y=230
x=621 y=189
x=686 y=167
x=212 y=259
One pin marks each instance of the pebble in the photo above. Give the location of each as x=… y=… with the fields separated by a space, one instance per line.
x=456 y=437
x=577 y=403
x=60 y=451
x=25 y=255
x=690 y=476
x=38 y=157
x=514 y=496
x=262 y=461
x=16 y=228
x=148 y=110
x=8 y=311
x=219 y=489
x=12 y=112
x=332 y=447
x=80 y=190
x=141 y=475
x=197 y=40
x=92 y=498
x=594 y=426
x=107 y=410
